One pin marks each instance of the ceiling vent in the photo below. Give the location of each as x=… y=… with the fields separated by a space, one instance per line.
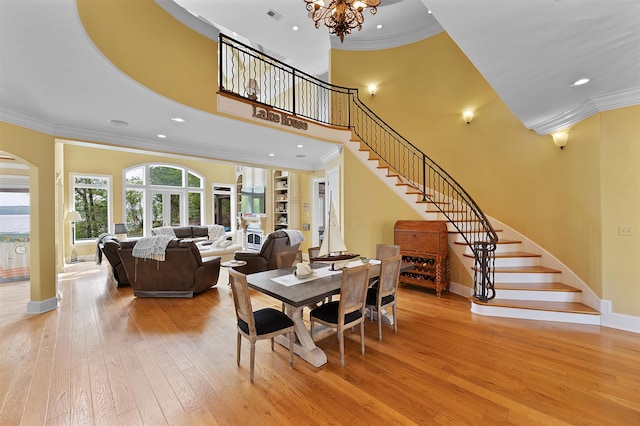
x=275 y=15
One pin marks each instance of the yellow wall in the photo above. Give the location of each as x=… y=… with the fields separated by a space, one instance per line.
x=36 y=150
x=620 y=187
x=152 y=47
x=96 y=160
x=553 y=197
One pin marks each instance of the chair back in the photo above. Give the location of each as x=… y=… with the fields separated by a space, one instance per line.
x=313 y=252
x=242 y=299
x=353 y=290
x=287 y=259
x=386 y=250
x=389 y=276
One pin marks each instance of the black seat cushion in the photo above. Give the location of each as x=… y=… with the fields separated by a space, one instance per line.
x=267 y=321
x=328 y=312
x=372 y=297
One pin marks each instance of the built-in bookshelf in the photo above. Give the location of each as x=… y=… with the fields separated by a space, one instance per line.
x=286 y=200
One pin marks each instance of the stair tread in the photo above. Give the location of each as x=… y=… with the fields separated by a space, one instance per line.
x=500 y=241
x=455 y=231
x=570 y=307
x=525 y=270
x=508 y=254
x=537 y=287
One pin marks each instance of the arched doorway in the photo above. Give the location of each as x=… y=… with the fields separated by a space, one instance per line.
x=14 y=220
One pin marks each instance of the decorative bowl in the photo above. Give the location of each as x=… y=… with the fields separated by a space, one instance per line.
x=364 y=259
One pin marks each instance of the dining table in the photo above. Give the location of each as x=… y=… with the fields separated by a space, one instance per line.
x=298 y=293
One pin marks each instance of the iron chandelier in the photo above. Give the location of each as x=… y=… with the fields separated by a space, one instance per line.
x=340 y=16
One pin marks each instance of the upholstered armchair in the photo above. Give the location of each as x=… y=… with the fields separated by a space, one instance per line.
x=265 y=260
x=109 y=244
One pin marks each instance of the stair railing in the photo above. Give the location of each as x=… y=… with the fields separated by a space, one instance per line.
x=250 y=74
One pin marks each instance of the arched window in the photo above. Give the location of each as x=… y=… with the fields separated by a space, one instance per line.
x=161 y=195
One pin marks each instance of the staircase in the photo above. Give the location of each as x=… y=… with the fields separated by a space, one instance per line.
x=512 y=277
x=525 y=288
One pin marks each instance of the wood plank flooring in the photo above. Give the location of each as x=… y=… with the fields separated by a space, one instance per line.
x=105 y=357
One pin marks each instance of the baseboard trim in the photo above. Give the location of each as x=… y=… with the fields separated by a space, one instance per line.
x=460 y=290
x=618 y=321
x=41 y=306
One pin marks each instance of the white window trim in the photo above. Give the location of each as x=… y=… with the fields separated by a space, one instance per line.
x=72 y=199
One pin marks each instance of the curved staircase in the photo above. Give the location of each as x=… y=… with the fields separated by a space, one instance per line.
x=525 y=288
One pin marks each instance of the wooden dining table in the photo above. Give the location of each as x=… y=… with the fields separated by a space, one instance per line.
x=298 y=295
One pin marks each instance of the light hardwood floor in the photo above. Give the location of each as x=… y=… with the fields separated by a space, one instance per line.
x=105 y=357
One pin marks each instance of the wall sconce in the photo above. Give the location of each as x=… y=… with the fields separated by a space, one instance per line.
x=372 y=89
x=560 y=138
x=252 y=89
x=467 y=116
x=120 y=229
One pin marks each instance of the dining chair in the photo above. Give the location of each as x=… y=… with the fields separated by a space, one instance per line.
x=382 y=251
x=313 y=252
x=287 y=259
x=349 y=310
x=386 y=250
x=262 y=324
x=384 y=294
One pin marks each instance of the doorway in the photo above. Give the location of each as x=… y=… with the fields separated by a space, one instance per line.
x=165 y=208
x=318 y=212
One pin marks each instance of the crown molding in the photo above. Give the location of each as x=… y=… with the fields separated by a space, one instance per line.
x=586 y=109
x=386 y=41
x=21 y=119
x=193 y=22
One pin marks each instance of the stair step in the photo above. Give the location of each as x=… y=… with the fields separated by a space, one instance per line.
x=552 y=286
x=500 y=241
x=566 y=307
x=508 y=254
x=525 y=270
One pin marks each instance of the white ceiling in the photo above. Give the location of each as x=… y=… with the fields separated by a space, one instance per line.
x=53 y=79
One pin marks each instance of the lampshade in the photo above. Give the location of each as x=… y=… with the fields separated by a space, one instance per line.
x=252 y=89
x=120 y=228
x=73 y=216
x=560 y=138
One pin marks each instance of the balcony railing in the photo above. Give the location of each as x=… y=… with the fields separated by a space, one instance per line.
x=249 y=74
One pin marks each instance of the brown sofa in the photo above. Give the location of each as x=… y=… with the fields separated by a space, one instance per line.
x=265 y=260
x=199 y=234
x=183 y=273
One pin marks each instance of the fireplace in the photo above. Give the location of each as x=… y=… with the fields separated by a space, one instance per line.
x=254 y=236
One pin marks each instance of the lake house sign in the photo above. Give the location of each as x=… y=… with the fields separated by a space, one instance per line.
x=278 y=118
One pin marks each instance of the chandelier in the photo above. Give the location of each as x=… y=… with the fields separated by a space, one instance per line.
x=341 y=16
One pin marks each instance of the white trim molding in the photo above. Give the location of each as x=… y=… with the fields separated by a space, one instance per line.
x=41 y=306
x=618 y=321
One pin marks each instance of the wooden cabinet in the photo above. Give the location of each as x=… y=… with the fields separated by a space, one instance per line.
x=425 y=245
x=286 y=200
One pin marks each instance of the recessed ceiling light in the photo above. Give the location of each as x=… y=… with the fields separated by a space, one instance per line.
x=295 y=28
x=300 y=145
x=271 y=154
x=580 y=82
x=379 y=26
x=119 y=123
x=429 y=11
x=162 y=136
x=178 y=119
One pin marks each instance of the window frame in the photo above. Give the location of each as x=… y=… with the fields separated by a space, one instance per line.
x=147 y=189
x=72 y=199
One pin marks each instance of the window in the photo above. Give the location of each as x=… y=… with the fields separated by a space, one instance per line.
x=224 y=211
x=252 y=194
x=161 y=195
x=91 y=198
